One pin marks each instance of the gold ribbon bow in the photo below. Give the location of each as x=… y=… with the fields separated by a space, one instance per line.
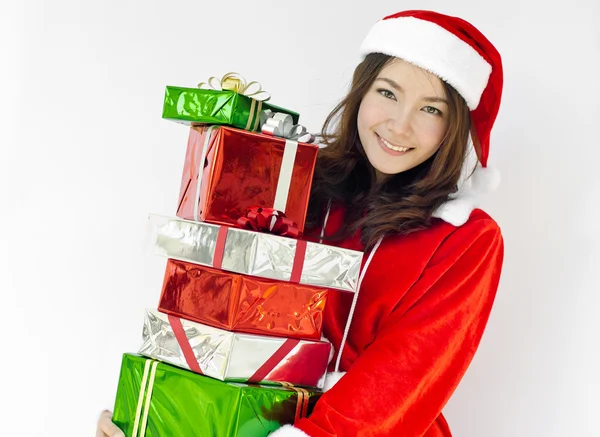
x=235 y=82
x=281 y=125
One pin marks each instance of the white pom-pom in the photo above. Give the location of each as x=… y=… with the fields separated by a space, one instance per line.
x=485 y=180
x=332 y=378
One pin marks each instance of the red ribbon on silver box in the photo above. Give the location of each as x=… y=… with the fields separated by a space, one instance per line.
x=232 y=356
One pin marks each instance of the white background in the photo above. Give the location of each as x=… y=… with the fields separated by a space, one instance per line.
x=85 y=156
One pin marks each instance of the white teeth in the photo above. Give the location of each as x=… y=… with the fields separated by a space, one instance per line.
x=396 y=148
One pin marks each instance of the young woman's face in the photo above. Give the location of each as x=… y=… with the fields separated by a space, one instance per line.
x=402 y=118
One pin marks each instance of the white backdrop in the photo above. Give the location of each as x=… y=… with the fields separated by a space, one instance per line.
x=85 y=156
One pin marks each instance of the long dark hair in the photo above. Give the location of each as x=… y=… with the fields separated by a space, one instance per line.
x=405 y=202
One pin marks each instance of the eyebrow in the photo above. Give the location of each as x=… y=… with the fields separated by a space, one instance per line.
x=396 y=86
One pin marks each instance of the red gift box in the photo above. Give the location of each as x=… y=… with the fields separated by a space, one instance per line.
x=242 y=303
x=241 y=170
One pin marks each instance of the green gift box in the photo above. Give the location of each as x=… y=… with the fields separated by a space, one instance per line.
x=209 y=106
x=155 y=399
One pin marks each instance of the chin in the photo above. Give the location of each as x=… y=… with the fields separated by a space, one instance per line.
x=386 y=164
x=388 y=170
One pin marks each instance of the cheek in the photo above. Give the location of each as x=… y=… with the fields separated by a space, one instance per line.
x=369 y=113
x=431 y=133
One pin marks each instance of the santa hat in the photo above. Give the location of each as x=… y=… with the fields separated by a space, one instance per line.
x=458 y=53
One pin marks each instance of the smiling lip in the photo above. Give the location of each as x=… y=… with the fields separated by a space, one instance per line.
x=392 y=152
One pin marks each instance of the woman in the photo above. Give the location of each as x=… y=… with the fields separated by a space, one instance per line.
x=394 y=181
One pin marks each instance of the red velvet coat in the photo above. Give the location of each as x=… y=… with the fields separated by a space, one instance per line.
x=422 y=309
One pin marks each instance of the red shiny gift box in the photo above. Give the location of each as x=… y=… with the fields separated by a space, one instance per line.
x=241 y=170
x=242 y=303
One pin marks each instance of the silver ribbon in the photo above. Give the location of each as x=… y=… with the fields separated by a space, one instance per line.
x=282 y=125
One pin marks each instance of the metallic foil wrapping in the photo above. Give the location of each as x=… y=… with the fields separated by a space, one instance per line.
x=155 y=399
x=231 y=356
x=206 y=106
x=254 y=253
x=242 y=303
x=241 y=170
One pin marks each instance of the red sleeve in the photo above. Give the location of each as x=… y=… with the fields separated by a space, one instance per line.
x=401 y=382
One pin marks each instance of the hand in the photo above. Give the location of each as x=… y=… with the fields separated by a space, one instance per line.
x=106 y=428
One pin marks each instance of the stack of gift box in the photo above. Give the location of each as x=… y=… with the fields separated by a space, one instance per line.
x=234 y=348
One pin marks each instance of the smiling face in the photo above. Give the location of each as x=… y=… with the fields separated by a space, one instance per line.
x=402 y=118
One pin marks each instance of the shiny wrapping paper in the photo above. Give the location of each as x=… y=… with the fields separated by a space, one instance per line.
x=206 y=106
x=235 y=357
x=254 y=253
x=159 y=400
x=242 y=303
x=242 y=170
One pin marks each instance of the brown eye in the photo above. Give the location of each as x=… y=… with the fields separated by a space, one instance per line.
x=386 y=93
x=432 y=110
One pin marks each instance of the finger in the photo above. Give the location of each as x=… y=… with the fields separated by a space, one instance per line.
x=105 y=425
x=99 y=432
x=105 y=415
x=110 y=429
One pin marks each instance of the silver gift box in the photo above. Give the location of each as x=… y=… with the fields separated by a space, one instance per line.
x=236 y=357
x=254 y=253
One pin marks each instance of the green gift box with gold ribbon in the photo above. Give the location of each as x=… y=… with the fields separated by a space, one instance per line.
x=155 y=399
x=231 y=101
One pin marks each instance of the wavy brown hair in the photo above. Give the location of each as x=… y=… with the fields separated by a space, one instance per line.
x=405 y=202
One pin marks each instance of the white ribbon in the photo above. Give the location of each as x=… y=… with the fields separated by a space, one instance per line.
x=282 y=125
x=237 y=83
x=285 y=175
x=149 y=381
x=325 y=222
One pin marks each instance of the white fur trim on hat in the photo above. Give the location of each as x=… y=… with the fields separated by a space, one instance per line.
x=288 y=431
x=433 y=48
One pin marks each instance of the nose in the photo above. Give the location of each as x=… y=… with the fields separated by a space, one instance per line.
x=400 y=124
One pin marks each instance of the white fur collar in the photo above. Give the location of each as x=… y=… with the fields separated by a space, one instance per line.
x=471 y=190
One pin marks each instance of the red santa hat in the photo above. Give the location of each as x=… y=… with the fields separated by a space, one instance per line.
x=458 y=53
